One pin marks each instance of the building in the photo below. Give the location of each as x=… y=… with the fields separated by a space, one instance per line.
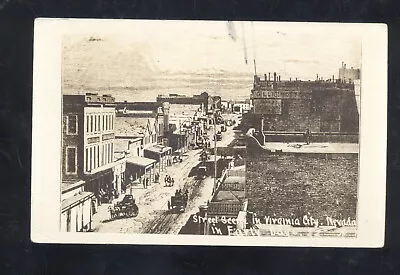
x=349 y=75
x=294 y=106
x=289 y=182
x=138 y=137
x=227 y=203
x=88 y=142
x=214 y=103
x=76 y=207
x=241 y=107
x=200 y=100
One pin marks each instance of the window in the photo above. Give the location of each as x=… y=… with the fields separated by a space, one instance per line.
x=98 y=155
x=87 y=159
x=91 y=124
x=87 y=124
x=95 y=123
x=90 y=158
x=105 y=154
x=112 y=152
x=106 y=122
x=112 y=122
x=72 y=125
x=103 y=126
x=101 y=155
x=98 y=123
x=109 y=153
x=95 y=157
x=71 y=160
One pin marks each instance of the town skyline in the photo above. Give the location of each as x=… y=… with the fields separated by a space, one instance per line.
x=201 y=56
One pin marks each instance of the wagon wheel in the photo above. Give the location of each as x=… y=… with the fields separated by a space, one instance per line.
x=129 y=212
x=135 y=211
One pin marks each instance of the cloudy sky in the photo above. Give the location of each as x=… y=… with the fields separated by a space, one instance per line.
x=140 y=59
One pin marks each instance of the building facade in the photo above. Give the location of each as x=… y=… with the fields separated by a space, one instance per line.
x=294 y=106
x=88 y=142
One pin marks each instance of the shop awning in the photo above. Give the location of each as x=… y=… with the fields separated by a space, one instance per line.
x=67 y=185
x=101 y=170
x=140 y=161
x=75 y=200
x=158 y=149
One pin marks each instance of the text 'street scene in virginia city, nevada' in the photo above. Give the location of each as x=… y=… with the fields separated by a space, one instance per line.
x=238 y=129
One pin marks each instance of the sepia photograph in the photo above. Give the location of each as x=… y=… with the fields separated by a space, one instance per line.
x=209 y=132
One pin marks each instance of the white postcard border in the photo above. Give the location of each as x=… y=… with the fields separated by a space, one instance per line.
x=46 y=142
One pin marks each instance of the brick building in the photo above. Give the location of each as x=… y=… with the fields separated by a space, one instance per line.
x=294 y=106
x=88 y=143
x=87 y=157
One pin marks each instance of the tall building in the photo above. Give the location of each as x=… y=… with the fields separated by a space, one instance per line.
x=294 y=105
x=88 y=141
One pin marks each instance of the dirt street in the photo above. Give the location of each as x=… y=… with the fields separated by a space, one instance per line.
x=154 y=216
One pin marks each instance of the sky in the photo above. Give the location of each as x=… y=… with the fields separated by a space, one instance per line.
x=158 y=57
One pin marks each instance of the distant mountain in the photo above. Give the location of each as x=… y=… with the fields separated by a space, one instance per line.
x=127 y=71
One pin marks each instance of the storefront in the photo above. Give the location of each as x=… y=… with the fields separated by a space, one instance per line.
x=101 y=183
x=161 y=154
x=140 y=169
x=119 y=175
x=76 y=208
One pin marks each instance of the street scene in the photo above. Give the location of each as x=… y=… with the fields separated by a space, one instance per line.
x=211 y=128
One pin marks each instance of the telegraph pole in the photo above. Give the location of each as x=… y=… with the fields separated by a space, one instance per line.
x=215 y=147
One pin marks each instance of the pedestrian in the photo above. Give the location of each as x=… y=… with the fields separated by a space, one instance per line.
x=144 y=183
x=165 y=180
x=169 y=205
x=172 y=181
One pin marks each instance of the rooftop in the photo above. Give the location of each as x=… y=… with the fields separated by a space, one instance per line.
x=140 y=161
x=228 y=196
x=70 y=202
x=67 y=185
x=132 y=126
x=352 y=148
x=121 y=145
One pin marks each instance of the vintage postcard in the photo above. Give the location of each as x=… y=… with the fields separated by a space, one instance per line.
x=209 y=133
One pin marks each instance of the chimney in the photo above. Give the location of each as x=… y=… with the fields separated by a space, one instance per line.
x=290 y=79
x=274 y=77
x=333 y=78
x=265 y=77
x=269 y=76
x=279 y=78
x=317 y=77
x=296 y=78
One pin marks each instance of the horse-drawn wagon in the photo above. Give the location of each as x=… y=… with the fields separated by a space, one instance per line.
x=125 y=209
x=179 y=201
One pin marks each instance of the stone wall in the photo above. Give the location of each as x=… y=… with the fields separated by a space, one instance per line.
x=327 y=110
